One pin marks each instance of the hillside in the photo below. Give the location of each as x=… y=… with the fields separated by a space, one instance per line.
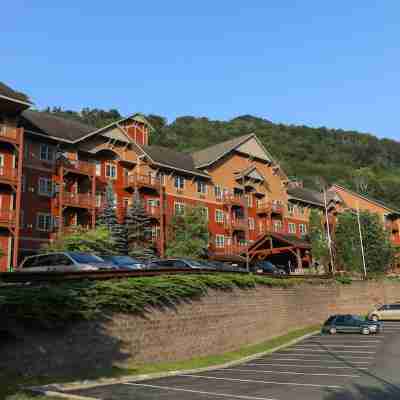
x=360 y=161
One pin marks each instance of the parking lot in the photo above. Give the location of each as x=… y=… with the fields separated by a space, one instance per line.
x=337 y=367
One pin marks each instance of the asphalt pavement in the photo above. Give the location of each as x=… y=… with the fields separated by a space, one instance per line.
x=321 y=367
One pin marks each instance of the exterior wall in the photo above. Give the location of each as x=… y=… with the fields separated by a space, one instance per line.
x=220 y=322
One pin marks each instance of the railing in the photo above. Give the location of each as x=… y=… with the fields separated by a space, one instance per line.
x=229 y=250
x=269 y=207
x=8 y=174
x=141 y=180
x=8 y=133
x=231 y=199
x=238 y=223
x=79 y=166
x=84 y=200
x=7 y=217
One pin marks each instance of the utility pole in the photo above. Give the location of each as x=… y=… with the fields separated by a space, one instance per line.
x=328 y=230
x=361 y=241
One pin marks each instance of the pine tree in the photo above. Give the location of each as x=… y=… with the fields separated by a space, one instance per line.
x=138 y=227
x=108 y=218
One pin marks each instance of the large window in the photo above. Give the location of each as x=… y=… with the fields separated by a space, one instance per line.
x=44 y=222
x=219 y=241
x=201 y=187
x=98 y=167
x=179 y=208
x=179 y=182
x=45 y=187
x=292 y=227
x=46 y=152
x=219 y=216
x=111 y=171
x=303 y=229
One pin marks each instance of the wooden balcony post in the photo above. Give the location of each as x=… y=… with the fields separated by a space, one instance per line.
x=93 y=209
x=162 y=221
x=18 y=197
x=60 y=203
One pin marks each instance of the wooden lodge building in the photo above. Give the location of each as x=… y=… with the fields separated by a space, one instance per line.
x=54 y=172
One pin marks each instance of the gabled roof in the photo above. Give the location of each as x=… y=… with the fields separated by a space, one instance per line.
x=10 y=94
x=306 y=196
x=166 y=157
x=54 y=127
x=250 y=172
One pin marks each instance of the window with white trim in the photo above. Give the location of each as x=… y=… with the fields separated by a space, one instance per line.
x=45 y=187
x=44 y=222
x=277 y=225
x=161 y=177
x=46 y=152
x=292 y=227
x=98 y=167
x=201 y=187
x=219 y=241
x=218 y=192
x=303 y=229
x=251 y=224
x=111 y=171
x=219 y=216
x=179 y=182
x=153 y=203
x=179 y=208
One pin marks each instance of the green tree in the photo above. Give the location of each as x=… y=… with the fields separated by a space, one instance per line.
x=318 y=239
x=97 y=241
x=189 y=234
x=138 y=226
x=378 y=250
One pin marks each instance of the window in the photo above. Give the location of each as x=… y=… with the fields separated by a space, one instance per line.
x=218 y=192
x=291 y=208
x=152 y=203
x=45 y=187
x=303 y=229
x=1 y=160
x=219 y=216
x=44 y=222
x=249 y=200
x=201 y=187
x=292 y=227
x=219 y=241
x=161 y=177
x=251 y=223
x=46 y=152
x=111 y=171
x=277 y=225
x=204 y=212
x=179 y=208
x=98 y=167
x=179 y=182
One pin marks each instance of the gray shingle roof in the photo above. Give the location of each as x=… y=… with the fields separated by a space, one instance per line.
x=57 y=127
x=172 y=158
x=210 y=154
x=11 y=93
x=306 y=195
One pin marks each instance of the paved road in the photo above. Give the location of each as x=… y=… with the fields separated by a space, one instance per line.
x=340 y=367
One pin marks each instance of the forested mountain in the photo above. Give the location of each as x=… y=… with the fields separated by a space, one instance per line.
x=359 y=161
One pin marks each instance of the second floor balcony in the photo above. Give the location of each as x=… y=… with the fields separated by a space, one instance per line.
x=78 y=200
x=270 y=207
x=7 y=218
x=234 y=200
x=10 y=135
x=8 y=175
x=139 y=181
x=79 y=167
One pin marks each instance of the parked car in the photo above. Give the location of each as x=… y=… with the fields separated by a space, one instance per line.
x=125 y=262
x=386 y=311
x=186 y=263
x=221 y=266
x=68 y=261
x=350 y=324
x=268 y=268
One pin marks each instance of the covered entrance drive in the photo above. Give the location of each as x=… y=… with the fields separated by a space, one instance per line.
x=281 y=249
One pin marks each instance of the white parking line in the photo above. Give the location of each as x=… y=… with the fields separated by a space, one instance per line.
x=336 y=352
x=315 y=359
x=336 y=345
x=304 y=366
x=344 y=341
x=331 y=355
x=288 y=372
x=231 y=396
x=266 y=382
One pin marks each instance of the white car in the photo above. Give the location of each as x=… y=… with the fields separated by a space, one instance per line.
x=68 y=261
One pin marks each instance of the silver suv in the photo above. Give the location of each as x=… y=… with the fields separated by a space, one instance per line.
x=68 y=261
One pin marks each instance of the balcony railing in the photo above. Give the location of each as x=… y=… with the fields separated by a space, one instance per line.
x=7 y=218
x=234 y=200
x=8 y=174
x=238 y=223
x=269 y=207
x=81 y=200
x=8 y=134
x=80 y=167
x=139 y=180
x=229 y=250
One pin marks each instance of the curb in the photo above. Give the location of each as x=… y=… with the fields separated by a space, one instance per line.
x=49 y=390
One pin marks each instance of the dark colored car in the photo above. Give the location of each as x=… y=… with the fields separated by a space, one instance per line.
x=185 y=263
x=268 y=268
x=221 y=266
x=125 y=262
x=350 y=324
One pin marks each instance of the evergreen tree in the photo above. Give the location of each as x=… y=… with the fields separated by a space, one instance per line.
x=108 y=218
x=318 y=239
x=138 y=227
x=189 y=234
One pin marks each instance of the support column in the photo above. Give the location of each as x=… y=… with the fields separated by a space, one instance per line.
x=299 y=260
x=162 y=221
x=60 y=202
x=18 y=197
x=93 y=221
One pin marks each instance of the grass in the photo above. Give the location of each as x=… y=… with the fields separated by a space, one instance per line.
x=55 y=304
x=10 y=386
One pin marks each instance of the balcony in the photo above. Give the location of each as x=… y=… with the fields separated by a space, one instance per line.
x=238 y=224
x=142 y=181
x=234 y=200
x=229 y=250
x=10 y=135
x=7 y=218
x=269 y=207
x=8 y=175
x=79 y=200
x=79 y=167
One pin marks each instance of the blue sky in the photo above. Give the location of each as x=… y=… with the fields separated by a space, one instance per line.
x=318 y=63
